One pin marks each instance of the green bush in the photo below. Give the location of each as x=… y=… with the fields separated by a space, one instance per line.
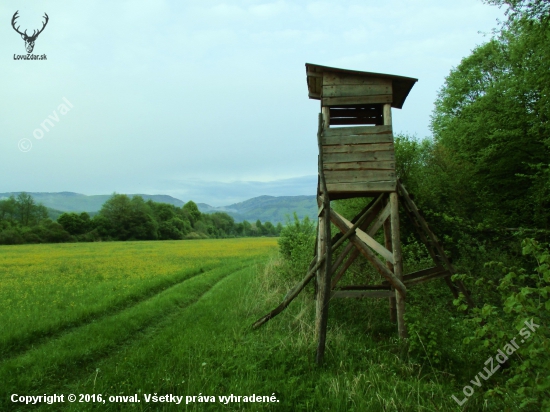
x=296 y=244
x=524 y=295
x=11 y=237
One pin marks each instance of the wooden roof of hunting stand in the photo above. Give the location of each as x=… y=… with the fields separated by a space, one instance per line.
x=357 y=161
x=342 y=87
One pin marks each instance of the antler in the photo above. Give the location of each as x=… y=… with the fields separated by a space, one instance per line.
x=15 y=16
x=34 y=34
x=43 y=26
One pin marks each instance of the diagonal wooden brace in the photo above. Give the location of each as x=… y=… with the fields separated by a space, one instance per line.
x=314 y=265
x=344 y=226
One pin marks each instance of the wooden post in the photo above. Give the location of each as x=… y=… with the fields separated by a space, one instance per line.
x=395 y=243
x=324 y=247
x=320 y=273
x=398 y=264
x=386 y=114
x=388 y=245
x=325 y=111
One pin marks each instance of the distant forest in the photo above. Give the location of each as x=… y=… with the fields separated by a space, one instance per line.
x=22 y=220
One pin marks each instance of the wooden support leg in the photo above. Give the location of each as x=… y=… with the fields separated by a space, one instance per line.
x=388 y=245
x=398 y=264
x=323 y=282
x=319 y=278
x=433 y=241
x=324 y=248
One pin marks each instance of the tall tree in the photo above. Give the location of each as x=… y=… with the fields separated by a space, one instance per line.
x=492 y=116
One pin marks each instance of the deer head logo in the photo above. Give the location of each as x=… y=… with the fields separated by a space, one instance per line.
x=29 y=40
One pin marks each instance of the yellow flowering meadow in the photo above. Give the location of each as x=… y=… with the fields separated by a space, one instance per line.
x=47 y=288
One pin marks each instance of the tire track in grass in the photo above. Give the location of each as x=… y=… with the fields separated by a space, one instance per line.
x=194 y=346
x=20 y=344
x=43 y=368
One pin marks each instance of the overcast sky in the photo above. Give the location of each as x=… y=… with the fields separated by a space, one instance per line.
x=205 y=100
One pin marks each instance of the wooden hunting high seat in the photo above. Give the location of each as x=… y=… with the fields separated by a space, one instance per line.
x=357 y=159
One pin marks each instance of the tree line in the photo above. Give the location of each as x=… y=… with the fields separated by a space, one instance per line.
x=22 y=220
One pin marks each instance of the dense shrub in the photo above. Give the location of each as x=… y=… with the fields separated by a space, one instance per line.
x=296 y=244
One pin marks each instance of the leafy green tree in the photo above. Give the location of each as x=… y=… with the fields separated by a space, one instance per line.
x=183 y=225
x=162 y=211
x=75 y=224
x=124 y=219
x=115 y=218
x=8 y=209
x=246 y=228
x=193 y=211
x=269 y=229
x=492 y=119
x=28 y=212
x=524 y=9
x=224 y=223
x=259 y=228
x=143 y=225
x=167 y=230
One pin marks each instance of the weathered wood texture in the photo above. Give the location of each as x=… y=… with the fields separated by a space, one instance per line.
x=358 y=148
x=388 y=245
x=374 y=156
x=344 y=78
x=344 y=226
x=324 y=248
x=383 y=165
x=342 y=88
x=325 y=112
x=387 y=114
x=397 y=264
x=370 y=241
x=358 y=176
x=377 y=221
x=320 y=276
x=361 y=188
x=359 y=159
x=335 y=101
x=361 y=294
x=356 y=131
x=349 y=90
x=366 y=287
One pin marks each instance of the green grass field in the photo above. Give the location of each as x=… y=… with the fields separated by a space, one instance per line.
x=173 y=318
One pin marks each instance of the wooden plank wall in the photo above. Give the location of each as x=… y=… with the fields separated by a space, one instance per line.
x=346 y=89
x=359 y=159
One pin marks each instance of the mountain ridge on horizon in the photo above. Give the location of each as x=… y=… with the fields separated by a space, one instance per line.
x=265 y=208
